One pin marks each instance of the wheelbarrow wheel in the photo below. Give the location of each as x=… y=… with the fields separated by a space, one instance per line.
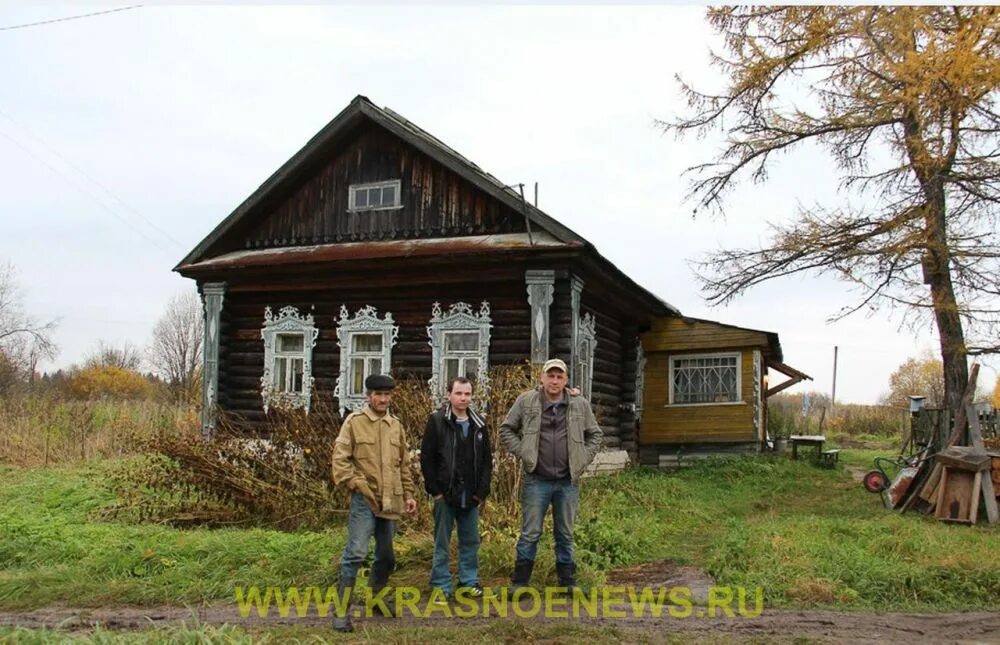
x=875 y=481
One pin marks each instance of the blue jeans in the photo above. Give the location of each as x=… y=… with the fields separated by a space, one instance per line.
x=445 y=519
x=564 y=496
x=361 y=526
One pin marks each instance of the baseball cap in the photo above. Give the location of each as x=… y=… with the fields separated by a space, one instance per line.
x=555 y=363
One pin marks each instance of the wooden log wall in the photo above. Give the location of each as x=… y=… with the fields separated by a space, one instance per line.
x=242 y=350
x=607 y=393
x=435 y=201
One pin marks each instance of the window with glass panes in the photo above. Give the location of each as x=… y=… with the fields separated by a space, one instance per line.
x=706 y=378
x=383 y=194
x=460 y=355
x=289 y=362
x=366 y=359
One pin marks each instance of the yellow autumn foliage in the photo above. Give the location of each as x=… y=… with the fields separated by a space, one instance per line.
x=100 y=382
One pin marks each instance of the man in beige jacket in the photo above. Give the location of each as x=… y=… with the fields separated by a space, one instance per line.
x=371 y=459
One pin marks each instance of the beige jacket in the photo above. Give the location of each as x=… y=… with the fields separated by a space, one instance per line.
x=370 y=456
x=519 y=432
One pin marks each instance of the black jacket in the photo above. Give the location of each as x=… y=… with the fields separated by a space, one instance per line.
x=438 y=452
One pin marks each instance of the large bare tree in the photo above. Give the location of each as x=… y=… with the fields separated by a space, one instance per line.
x=905 y=100
x=175 y=351
x=24 y=340
x=125 y=356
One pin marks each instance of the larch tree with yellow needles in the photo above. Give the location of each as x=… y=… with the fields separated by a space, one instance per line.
x=905 y=100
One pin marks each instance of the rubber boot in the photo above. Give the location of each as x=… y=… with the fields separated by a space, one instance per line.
x=567 y=577
x=521 y=576
x=342 y=619
x=377 y=580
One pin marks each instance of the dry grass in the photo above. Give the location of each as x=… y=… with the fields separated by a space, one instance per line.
x=43 y=429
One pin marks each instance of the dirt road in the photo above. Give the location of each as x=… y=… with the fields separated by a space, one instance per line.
x=826 y=626
x=769 y=624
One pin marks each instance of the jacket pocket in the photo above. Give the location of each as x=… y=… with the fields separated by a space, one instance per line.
x=578 y=456
x=364 y=450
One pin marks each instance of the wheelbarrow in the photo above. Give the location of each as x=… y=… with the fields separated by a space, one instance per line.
x=894 y=488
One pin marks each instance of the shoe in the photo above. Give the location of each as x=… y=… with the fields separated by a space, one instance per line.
x=522 y=574
x=441 y=597
x=342 y=620
x=472 y=591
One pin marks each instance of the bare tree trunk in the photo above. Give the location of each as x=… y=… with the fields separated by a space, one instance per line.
x=949 y=323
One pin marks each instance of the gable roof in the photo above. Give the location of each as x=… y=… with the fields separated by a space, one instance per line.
x=362 y=108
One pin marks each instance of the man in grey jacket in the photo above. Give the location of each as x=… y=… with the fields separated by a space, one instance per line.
x=555 y=436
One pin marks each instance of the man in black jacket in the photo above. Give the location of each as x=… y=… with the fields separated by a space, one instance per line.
x=457 y=464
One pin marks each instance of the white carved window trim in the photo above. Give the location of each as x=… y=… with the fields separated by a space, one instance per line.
x=354 y=189
x=364 y=321
x=737 y=365
x=288 y=322
x=461 y=319
x=585 y=345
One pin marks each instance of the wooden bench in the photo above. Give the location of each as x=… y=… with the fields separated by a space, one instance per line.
x=828 y=458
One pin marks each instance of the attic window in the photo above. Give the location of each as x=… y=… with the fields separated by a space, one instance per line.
x=377 y=196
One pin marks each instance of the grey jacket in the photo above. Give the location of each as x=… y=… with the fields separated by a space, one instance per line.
x=519 y=432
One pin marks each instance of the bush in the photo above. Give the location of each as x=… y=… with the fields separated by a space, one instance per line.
x=281 y=474
x=107 y=381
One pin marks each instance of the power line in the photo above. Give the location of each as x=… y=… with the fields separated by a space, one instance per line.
x=85 y=192
x=80 y=171
x=85 y=15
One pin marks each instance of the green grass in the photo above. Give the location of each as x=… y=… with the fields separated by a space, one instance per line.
x=504 y=631
x=807 y=536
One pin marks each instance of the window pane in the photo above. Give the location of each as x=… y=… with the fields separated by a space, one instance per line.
x=374 y=366
x=471 y=368
x=389 y=196
x=297 y=364
x=361 y=198
x=450 y=369
x=357 y=376
x=461 y=342
x=279 y=376
x=290 y=342
x=367 y=342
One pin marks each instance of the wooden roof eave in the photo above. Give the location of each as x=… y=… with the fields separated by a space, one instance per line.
x=794 y=377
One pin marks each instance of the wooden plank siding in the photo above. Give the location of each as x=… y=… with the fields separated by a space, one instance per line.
x=678 y=334
x=434 y=201
x=706 y=423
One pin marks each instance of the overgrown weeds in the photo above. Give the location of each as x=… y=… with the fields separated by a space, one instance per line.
x=42 y=429
x=280 y=476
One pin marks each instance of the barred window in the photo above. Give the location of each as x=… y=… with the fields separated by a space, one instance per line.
x=705 y=378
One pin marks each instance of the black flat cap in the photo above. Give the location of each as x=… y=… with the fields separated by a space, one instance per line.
x=379 y=382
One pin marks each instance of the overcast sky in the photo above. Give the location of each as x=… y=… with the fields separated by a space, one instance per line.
x=125 y=138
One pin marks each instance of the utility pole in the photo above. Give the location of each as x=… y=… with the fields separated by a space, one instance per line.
x=833 y=395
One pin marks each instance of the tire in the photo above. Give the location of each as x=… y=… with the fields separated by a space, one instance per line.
x=875 y=481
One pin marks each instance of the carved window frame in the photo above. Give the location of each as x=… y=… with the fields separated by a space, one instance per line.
x=459 y=318
x=586 y=343
x=364 y=321
x=288 y=321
